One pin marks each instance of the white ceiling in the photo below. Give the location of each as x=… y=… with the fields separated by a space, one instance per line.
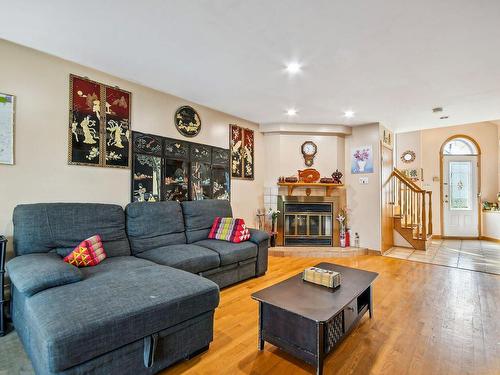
x=388 y=60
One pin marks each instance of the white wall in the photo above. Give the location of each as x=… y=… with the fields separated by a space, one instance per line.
x=364 y=200
x=284 y=156
x=41 y=173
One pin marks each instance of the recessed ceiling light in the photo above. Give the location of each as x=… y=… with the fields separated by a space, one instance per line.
x=293 y=67
x=291 y=112
x=349 y=114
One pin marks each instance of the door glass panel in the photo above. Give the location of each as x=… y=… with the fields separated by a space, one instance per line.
x=290 y=225
x=326 y=225
x=460 y=185
x=302 y=225
x=314 y=225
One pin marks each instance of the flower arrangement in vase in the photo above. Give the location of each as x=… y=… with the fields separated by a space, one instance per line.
x=362 y=157
x=343 y=219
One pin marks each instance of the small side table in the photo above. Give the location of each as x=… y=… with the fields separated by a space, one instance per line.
x=3 y=251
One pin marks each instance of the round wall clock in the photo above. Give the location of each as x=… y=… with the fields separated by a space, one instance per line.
x=187 y=121
x=408 y=157
x=309 y=150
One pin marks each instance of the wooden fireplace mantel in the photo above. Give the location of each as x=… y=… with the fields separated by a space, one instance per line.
x=329 y=187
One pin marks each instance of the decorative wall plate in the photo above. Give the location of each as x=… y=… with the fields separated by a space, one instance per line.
x=408 y=156
x=309 y=175
x=187 y=121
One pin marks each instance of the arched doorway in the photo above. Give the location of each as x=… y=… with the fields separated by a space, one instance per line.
x=460 y=187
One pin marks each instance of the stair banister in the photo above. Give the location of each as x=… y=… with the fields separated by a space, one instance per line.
x=415 y=214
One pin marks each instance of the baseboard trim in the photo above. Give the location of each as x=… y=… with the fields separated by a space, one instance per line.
x=455 y=237
x=492 y=239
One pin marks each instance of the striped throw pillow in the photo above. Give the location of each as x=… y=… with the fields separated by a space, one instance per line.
x=90 y=252
x=229 y=229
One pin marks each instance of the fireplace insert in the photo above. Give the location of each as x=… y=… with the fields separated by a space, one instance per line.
x=305 y=223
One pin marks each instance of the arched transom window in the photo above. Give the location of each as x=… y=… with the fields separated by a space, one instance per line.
x=460 y=146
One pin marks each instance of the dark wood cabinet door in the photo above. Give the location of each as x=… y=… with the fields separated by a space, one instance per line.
x=221 y=183
x=175 y=180
x=200 y=181
x=220 y=156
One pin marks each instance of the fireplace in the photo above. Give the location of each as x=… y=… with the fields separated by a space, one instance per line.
x=307 y=221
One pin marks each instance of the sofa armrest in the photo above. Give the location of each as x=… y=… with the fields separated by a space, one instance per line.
x=261 y=239
x=33 y=273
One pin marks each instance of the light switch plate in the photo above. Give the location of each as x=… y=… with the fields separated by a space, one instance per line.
x=363 y=180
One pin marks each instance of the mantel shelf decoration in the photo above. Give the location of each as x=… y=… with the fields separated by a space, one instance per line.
x=310 y=178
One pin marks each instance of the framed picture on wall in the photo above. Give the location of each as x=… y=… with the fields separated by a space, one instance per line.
x=84 y=133
x=146 y=183
x=362 y=159
x=117 y=122
x=387 y=138
x=242 y=152
x=99 y=124
x=7 y=113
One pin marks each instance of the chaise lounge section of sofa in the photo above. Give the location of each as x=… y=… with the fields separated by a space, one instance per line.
x=144 y=307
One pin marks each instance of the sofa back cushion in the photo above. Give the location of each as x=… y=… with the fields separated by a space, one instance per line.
x=154 y=224
x=60 y=227
x=200 y=215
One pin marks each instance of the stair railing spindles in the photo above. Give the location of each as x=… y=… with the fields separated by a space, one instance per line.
x=430 y=212
x=406 y=205
x=424 y=218
x=419 y=222
x=411 y=209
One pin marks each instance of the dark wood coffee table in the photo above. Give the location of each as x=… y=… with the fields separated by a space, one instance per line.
x=308 y=320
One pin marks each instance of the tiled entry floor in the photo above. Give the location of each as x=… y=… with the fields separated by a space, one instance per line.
x=473 y=255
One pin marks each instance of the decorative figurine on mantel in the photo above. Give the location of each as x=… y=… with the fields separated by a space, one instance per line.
x=309 y=175
x=337 y=177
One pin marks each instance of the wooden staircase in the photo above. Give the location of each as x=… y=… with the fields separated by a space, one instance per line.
x=412 y=210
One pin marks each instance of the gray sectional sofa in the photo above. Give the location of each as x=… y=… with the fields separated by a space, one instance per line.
x=145 y=307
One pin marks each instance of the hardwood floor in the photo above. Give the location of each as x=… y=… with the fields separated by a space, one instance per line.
x=428 y=319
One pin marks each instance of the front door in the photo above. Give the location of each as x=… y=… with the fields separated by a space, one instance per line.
x=460 y=196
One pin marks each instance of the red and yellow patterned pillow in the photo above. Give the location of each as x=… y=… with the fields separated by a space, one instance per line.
x=229 y=229
x=89 y=253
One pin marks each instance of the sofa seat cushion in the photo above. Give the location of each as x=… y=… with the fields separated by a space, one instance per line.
x=230 y=252
x=189 y=258
x=121 y=300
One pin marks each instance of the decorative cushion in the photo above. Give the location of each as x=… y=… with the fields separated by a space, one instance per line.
x=229 y=229
x=89 y=253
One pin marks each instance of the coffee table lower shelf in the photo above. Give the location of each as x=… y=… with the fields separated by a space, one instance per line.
x=307 y=339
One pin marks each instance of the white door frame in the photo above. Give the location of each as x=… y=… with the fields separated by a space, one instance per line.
x=441 y=157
